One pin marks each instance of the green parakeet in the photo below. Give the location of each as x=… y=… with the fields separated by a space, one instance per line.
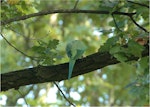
x=74 y=50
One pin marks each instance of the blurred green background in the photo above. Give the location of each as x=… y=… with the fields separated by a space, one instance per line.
x=102 y=87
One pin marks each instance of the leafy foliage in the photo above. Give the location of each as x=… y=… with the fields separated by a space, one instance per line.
x=134 y=48
x=47 y=51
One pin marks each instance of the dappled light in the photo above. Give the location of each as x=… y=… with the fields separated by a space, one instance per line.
x=74 y=53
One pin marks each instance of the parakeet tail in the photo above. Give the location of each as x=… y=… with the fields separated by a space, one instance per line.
x=71 y=65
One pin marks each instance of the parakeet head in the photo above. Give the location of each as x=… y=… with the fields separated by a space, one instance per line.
x=75 y=49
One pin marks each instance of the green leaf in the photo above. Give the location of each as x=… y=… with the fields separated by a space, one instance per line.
x=53 y=44
x=120 y=57
x=42 y=43
x=109 y=43
x=144 y=62
x=134 y=48
x=115 y=49
x=38 y=49
x=104 y=48
x=48 y=61
x=113 y=40
x=47 y=51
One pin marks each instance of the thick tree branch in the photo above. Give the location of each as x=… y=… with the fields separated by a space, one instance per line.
x=42 y=74
x=4 y=22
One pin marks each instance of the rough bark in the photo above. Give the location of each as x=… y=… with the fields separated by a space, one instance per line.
x=42 y=74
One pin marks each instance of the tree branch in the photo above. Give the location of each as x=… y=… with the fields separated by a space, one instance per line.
x=23 y=96
x=131 y=17
x=33 y=58
x=41 y=13
x=144 y=5
x=116 y=23
x=64 y=95
x=76 y=4
x=42 y=74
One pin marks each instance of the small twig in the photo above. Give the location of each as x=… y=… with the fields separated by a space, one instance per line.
x=16 y=48
x=116 y=23
x=131 y=17
x=23 y=97
x=63 y=94
x=109 y=31
x=75 y=4
x=130 y=84
x=30 y=38
x=1 y=1
x=16 y=31
x=144 y=5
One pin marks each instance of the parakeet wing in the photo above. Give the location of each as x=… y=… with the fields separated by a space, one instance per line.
x=79 y=54
x=68 y=50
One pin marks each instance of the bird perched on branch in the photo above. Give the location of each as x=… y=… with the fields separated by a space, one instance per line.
x=75 y=50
